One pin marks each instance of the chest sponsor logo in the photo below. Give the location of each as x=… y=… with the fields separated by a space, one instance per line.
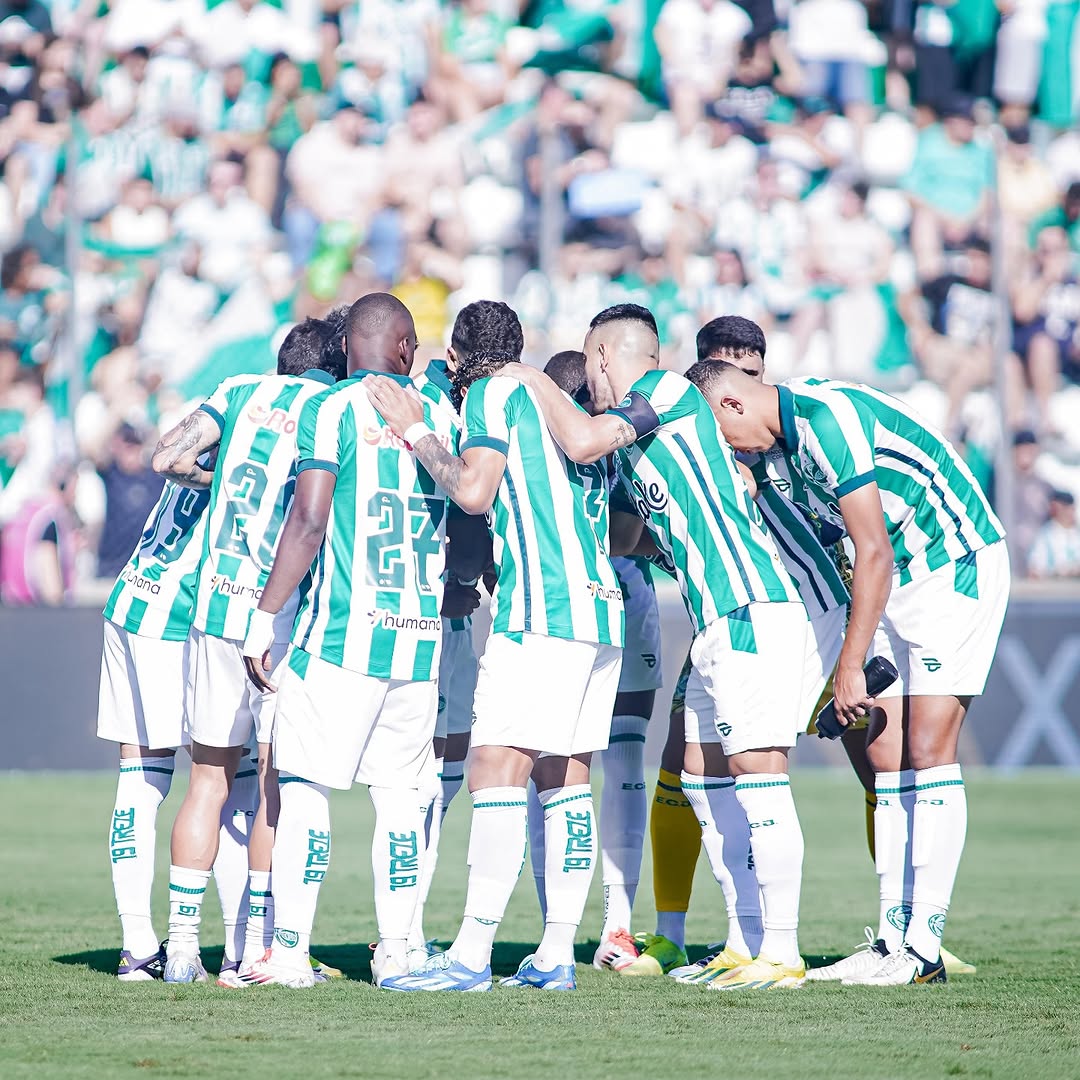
x=274 y=419
x=649 y=499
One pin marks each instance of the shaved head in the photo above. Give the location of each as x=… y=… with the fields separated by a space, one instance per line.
x=380 y=334
x=621 y=345
x=746 y=409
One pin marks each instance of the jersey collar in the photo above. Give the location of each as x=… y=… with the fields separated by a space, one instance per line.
x=318 y=375
x=789 y=434
x=438 y=373
x=361 y=373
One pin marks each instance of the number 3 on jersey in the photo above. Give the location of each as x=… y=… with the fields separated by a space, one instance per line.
x=386 y=564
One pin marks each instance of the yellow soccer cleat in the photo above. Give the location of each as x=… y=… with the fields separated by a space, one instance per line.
x=711 y=968
x=761 y=974
x=955 y=966
x=658 y=956
x=325 y=970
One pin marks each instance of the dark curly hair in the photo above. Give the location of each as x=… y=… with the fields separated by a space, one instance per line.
x=487 y=336
x=305 y=348
x=333 y=355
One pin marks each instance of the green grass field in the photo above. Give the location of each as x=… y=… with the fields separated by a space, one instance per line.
x=1016 y=913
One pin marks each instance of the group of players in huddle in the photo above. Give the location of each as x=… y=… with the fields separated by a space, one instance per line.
x=297 y=614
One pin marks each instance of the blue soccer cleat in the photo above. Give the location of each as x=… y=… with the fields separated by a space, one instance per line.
x=560 y=977
x=132 y=969
x=440 y=973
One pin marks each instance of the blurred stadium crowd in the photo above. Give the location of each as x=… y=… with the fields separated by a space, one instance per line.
x=180 y=180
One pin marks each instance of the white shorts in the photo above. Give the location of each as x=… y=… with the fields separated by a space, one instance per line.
x=141 y=693
x=336 y=727
x=744 y=692
x=544 y=693
x=457 y=683
x=823 y=644
x=641 y=668
x=223 y=705
x=941 y=630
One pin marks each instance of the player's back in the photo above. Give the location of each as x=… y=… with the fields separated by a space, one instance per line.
x=549 y=524
x=250 y=495
x=377 y=582
x=685 y=485
x=154 y=594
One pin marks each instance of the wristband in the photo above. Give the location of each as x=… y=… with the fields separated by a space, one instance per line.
x=260 y=635
x=415 y=432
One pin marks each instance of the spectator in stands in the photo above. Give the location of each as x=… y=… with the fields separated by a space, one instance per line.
x=1031 y=496
x=1056 y=550
x=1064 y=216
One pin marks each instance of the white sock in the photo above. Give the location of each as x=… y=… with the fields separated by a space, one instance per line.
x=776 y=841
x=141 y=787
x=397 y=847
x=431 y=813
x=259 y=932
x=231 y=864
x=187 y=888
x=496 y=855
x=672 y=925
x=570 y=842
x=537 y=848
x=938 y=835
x=892 y=853
x=624 y=809
x=301 y=859
x=725 y=835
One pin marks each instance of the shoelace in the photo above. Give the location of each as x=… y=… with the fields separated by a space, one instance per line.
x=895 y=961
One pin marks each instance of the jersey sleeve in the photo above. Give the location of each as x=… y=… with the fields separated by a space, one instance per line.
x=656 y=399
x=217 y=404
x=318 y=442
x=838 y=441
x=488 y=411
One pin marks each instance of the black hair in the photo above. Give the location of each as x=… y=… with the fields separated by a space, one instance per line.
x=625 y=313
x=731 y=334
x=975 y=242
x=486 y=337
x=567 y=371
x=374 y=315
x=335 y=359
x=303 y=350
x=705 y=373
x=11 y=264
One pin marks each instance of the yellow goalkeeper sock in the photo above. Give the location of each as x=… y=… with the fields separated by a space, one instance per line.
x=676 y=843
x=871 y=803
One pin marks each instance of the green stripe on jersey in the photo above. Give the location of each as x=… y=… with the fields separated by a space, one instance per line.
x=155 y=592
x=549 y=524
x=686 y=487
x=374 y=602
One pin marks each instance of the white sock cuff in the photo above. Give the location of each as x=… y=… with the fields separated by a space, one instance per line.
x=755 y=781
x=698 y=787
x=148 y=764
x=499 y=798
x=186 y=877
x=627 y=737
x=259 y=882
x=555 y=797
x=938 y=777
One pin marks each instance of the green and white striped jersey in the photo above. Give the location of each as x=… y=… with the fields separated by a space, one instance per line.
x=155 y=593
x=820 y=583
x=685 y=485
x=549 y=524
x=840 y=436
x=374 y=603
x=250 y=496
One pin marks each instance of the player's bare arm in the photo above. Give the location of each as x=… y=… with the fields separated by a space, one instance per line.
x=864 y=521
x=177 y=453
x=299 y=545
x=583 y=438
x=471 y=480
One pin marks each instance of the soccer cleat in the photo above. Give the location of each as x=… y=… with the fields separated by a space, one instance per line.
x=184 y=967
x=419 y=955
x=385 y=967
x=229 y=975
x=271 y=972
x=146 y=970
x=711 y=968
x=324 y=971
x=560 y=977
x=901 y=968
x=616 y=951
x=955 y=966
x=441 y=973
x=760 y=974
x=715 y=949
x=659 y=956
x=863 y=960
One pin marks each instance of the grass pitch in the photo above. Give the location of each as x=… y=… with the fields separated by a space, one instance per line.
x=1016 y=914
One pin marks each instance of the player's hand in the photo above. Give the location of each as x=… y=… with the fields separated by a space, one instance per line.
x=850 y=699
x=394 y=403
x=525 y=373
x=459 y=600
x=257 y=667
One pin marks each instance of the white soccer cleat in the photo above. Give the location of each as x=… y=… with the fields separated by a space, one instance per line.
x=901 y=968
x=617 y=951
x=184 y=967
x=271 y=972
x=386 y=967
x=861 y=962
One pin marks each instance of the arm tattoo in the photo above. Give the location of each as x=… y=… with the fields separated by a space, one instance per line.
x=174 y=456
x=446 y=469
x=624 y=435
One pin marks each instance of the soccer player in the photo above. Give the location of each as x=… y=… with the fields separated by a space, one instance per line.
x=623 y=799
x=252 y=420
x=741 y=714
x=357 y=694
x=930 y=588
x=554 y=651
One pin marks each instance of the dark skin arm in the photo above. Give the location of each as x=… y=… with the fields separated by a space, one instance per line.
x=178 y=450
x=300 y=542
